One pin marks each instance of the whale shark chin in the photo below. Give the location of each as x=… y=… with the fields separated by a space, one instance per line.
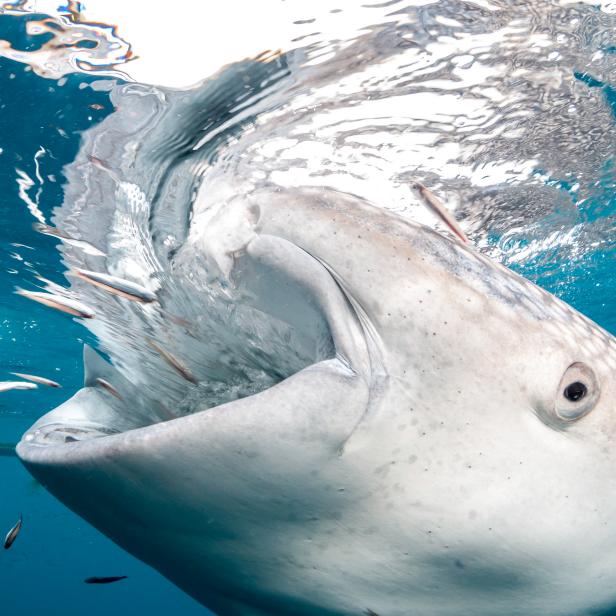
x=438 y=440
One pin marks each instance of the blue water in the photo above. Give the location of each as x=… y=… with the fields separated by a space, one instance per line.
x=41 y=122
x=44 y=570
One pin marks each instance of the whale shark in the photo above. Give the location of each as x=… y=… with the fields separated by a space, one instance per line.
x=324 y=408
x=451 y=453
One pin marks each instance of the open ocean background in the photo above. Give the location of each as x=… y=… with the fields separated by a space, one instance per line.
x=44 y=571
x=41 y=122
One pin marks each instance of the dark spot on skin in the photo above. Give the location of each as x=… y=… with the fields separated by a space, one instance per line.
x=458 y=563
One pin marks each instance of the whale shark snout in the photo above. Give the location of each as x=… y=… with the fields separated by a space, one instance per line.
x=444 y=447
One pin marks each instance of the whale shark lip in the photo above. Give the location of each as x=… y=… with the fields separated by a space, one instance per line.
x=92 y=421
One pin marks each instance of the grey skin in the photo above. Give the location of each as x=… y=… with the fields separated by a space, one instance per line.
x=432 y=465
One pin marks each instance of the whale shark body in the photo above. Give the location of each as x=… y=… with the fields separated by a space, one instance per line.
x=433 y=434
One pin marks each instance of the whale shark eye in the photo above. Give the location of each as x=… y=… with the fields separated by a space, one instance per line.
x=577 y=393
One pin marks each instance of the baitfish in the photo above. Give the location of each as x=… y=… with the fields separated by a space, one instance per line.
x=109 y=387
x=118 y=286
x=58 y=302
x=7 y=450
x=37 y=379
x=12 y=534
x=8 y=385
x=67 y=239
x=174 y=362
x=435 y=205
x=105 y=580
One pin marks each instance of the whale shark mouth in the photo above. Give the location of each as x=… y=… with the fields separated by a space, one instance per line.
x=237 y=311
x=288 y=313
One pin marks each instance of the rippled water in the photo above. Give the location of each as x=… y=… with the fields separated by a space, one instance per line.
x=504 y=109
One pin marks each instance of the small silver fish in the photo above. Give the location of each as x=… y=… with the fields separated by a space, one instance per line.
x=109 y=387
x=67 y=239
x=175 y=363
x=12 y=534
x=48 y=230
x=8 y=385
x=117 y=286
x=438 y=208
x=37 y=379
x=63 y=304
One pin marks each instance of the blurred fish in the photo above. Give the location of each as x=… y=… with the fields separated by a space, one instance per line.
x=109 y=387
x=8 y=385
x=63 y=304
x=438 y=208
x=7 y=450
x=67 y=239
x=118 y=286
x=103 y=166
x=105 y=580
x=37 y=379
x=12 y=534
x=174 y=363
x=174 y=318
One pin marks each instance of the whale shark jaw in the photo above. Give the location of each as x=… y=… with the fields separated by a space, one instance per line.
x=426 y=462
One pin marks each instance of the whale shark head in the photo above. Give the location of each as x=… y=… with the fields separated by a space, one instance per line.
x=448 y=449
x=327 y=409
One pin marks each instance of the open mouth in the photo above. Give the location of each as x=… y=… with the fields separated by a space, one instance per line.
x=283 y=313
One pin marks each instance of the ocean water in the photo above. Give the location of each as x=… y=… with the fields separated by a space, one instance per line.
x=505 y=110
